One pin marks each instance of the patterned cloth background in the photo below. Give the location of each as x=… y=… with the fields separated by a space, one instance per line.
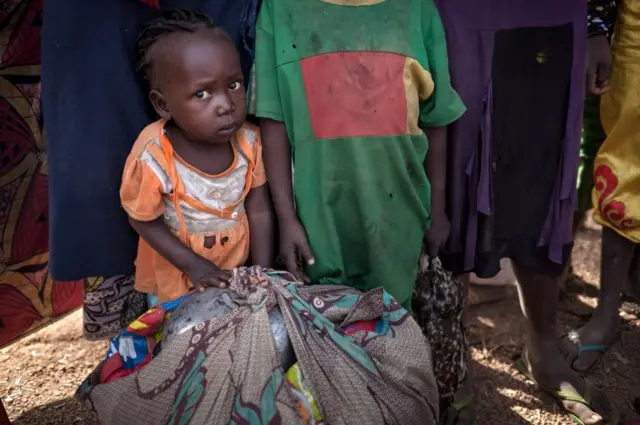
x=28 y=296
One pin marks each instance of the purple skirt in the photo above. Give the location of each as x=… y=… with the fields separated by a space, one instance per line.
x=513 y=157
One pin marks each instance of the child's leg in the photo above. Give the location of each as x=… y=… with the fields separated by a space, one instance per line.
x=539 y=300
x=593 y=136
x=632 y=285
x=617 y=253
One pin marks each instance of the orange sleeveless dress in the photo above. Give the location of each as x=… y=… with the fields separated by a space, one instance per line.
x=205 y=211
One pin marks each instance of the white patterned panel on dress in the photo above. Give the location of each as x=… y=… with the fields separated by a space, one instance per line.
x=214 y=192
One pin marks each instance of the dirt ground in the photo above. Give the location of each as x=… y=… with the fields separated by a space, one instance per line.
x=40 y=373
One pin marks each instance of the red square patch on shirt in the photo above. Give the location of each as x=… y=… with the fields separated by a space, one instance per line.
x=356 y=94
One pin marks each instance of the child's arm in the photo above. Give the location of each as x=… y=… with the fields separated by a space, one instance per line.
x=277 y=159
x=275 y=145
x=202 y=272
x=260 y=216
x=601 y=19
x=442 y=108
x=436 y=169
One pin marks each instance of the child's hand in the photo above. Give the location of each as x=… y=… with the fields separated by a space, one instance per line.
x=598 y=65
x=438 y=233
x=294 y=246
x=203 y=273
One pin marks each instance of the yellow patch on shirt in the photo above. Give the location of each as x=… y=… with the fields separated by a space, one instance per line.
x=419 y=86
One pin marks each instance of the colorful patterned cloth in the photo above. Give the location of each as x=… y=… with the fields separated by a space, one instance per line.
x=226 y=371
x=137 y=343
x=29 y=297
x=296 y=378
x=617 y=166
x=110 y=304
x=354 y=101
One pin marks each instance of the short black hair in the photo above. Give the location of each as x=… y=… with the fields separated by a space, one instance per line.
x=169 y=22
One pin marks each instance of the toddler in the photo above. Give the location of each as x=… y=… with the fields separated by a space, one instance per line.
x=194 y=185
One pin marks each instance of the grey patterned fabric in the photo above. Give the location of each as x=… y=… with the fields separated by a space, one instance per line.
x=363 y=356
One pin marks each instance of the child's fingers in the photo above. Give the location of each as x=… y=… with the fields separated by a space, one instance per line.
x=603 y=87
x=199 y=286
x=592 y=87
x=226 y=276
x=218 y=283
x=302 y=277
x=595 y=86
x=291 y=263
x=214 y=281
x=306 y=253
x=604 y=71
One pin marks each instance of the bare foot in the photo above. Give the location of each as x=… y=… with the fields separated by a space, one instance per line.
x=585 y=347
x=554 y=376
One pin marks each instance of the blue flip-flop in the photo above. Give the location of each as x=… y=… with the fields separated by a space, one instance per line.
x=574 y=339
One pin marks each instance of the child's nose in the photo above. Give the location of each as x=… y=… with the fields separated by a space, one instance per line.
x=225 y=105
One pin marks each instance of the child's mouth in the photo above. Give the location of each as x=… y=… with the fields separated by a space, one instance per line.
x=227 y=129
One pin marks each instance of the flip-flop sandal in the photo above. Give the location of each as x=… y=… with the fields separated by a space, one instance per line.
x=574 y=338
x=454 y=410
x=611 y=418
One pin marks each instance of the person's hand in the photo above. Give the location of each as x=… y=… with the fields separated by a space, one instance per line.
x=294 y=248
x=203 y=274
x=438 y=233
x=598 y=65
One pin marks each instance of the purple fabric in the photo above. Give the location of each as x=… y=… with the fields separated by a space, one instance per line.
x=470 y=26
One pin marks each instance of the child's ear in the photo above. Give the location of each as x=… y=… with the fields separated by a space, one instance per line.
x=159 y=104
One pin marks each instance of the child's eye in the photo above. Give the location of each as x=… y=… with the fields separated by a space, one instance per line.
x=202 y=94
x=235 y=86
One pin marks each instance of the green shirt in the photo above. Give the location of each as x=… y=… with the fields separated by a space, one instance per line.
x=354 y=85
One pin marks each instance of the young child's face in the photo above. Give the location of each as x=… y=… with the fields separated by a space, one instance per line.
x=198 y=83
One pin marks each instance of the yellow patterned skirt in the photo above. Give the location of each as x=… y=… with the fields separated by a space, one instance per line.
x=616 y=196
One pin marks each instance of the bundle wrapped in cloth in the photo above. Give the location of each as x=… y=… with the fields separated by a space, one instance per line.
x=268 y=350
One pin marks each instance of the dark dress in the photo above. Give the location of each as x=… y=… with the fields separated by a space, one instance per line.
x=518 y=66
x=94 y=109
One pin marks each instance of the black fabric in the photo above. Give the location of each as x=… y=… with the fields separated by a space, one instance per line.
x=94 y=108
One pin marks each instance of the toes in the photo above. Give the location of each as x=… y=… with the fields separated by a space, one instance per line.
x=586 y=415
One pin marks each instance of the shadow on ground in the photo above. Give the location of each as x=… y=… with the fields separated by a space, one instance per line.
x=62 y=412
